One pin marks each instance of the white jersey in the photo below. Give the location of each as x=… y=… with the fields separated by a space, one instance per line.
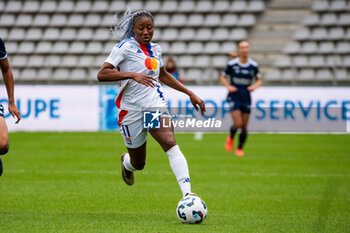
x=131 y=56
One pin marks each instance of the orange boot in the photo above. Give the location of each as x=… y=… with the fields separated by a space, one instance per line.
x=239 y=152
x=229 y=144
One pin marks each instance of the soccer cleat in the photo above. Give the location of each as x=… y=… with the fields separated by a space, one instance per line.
x=1 y=169
x=229 y=144
x=191 y=194
x=239 y=152
x=127 y=176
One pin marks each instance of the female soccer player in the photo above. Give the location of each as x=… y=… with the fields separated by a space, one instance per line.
x=242 y=71
x=139 y=69
x=8 y=80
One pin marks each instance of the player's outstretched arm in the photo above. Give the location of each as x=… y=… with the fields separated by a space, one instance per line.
x=169 y=80
x=107 y=74
x=9 y=83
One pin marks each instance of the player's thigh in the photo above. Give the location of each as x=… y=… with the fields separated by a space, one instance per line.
x=237 y=118
x=165 y=135
x=3 y=133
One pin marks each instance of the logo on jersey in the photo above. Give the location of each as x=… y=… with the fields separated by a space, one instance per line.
x=151 y=119
x=139 y=51
x=151 y=63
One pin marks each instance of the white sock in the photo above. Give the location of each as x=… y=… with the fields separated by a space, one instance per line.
x=178 y=164
x=127 y=164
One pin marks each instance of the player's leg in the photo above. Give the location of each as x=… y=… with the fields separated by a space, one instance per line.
x=4 y=144
x=166 y=138
x=244 y=134
x=135 y=138
x=237 y=123
x=134 y=160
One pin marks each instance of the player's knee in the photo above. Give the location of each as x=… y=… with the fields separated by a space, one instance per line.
x=169 y=144
x=238 y=125
x=4 y=147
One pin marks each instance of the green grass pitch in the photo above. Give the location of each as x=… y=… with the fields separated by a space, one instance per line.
x=70 y=182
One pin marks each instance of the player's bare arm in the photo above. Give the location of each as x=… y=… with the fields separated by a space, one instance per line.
x=256 y=85
x=169 y=80
x=107 y=73
x=9 y=83
x=230 y=88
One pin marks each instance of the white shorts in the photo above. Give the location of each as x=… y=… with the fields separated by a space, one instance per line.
x=134 y=134
x=133 y=130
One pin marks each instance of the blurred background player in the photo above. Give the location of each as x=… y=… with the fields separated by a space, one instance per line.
x=172 y=69
x=140 y=66
x=8 y=80
x=242 y=72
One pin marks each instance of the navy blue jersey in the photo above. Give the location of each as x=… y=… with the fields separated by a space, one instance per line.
x=3 y=53
x=241 y=76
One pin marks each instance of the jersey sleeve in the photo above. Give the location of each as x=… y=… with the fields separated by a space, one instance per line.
x=116 y=56
x=226 y=70
x=3 y=54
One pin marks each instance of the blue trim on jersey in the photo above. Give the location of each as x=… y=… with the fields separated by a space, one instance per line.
x=121 y=43
x=3 y=54
x=160 y=92
x=3 y=58
x=149 y=50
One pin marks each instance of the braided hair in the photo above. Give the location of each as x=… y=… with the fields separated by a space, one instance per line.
x=124 y=25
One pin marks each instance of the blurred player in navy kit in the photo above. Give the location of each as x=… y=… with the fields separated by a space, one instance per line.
x=242 y=71
x=172 y=69
x=8 y=80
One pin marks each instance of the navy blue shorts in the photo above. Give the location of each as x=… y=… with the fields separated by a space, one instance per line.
x=1 y=110
x=238 y=105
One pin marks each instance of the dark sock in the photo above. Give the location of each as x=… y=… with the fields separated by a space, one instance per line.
x=242 y=138
x=0 y=167
x=232 y=132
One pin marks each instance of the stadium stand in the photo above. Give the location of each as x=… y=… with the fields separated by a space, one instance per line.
x=319 y=52
x=68 y=40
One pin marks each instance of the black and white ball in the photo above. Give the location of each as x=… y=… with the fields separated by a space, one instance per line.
x=191 y=209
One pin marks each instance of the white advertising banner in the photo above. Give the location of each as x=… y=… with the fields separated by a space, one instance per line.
x=54 y=108
x=277 y=109
x=92 y=108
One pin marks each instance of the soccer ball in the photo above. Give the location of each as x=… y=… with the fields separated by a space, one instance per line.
x=191 y=209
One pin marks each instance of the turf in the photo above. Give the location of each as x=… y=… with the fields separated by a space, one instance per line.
x=70 y=182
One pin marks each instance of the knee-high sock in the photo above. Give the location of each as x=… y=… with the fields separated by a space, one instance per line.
x=242 y=138
x=232 y=132
x=179 y=166
x=127 y=164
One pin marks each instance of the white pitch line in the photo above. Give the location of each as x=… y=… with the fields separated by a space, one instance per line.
x=110 y=172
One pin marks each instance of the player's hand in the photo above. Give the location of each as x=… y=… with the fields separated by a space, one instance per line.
x=250 y=88
x=197 y=103
x=144 y=79
x=14 y=112
x=232 y=89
